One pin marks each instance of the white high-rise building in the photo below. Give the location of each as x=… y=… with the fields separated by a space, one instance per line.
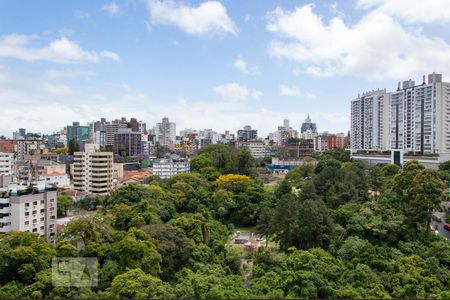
x=420 y=116
x=370 y=121
x=166 y=132
x=414 y=118
x=6 y=163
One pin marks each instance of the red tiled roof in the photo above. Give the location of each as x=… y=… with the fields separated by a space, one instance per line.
x=139 y=175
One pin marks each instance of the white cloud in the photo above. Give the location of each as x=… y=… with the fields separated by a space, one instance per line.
x=241 y=65
x=111 y=8
x=296 y=72
x=236 y=92
x=291 y=91
x=68 y=73
x=111 y=55
x=209 y=18
x=375 y=47
x=411 y=11
x=57 y=89
x=311 y=95
x=79 y=14
x=61 y=50
x=86 y=103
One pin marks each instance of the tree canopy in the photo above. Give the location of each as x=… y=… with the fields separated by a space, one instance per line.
x=328 y=235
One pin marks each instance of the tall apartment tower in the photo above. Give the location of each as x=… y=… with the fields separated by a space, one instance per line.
x=76 y=134
x=110 y=130
x=129 y=141
x=370 y=121
x=420 y=116
x=93 y=171
x=247 y=134
x=165 y=132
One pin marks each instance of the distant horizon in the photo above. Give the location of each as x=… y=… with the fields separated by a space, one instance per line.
x=253 y=63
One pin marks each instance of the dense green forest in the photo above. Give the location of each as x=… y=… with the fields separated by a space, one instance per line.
x=336 y=229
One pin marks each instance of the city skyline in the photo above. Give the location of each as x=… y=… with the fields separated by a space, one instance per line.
x=249 y=65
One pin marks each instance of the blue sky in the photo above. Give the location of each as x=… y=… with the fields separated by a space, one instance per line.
x=210 y=64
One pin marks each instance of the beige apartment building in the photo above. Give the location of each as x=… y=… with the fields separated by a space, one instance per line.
x=93 y=171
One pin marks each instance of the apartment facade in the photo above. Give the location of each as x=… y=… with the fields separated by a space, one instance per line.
x=324 y=142
x=93 y=172
x=370 y=121
x=169 y=168
x=420 y=116
x=26 y=210
x=247 y=134
x=258 y=149
x=129 y=141
x=165 y=132
x=6 y=163
x=24 y=148
x=77 y=133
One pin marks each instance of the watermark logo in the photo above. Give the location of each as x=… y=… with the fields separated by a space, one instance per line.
x=74 y=271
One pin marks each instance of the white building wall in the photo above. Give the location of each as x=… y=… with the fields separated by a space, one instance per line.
x=31 y=212
x=166 y=169
x=6 y=163
x=369 y=121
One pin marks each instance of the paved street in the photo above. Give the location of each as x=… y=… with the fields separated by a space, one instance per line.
x=440 y=225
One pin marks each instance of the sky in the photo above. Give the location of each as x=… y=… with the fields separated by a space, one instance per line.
x=210 y=64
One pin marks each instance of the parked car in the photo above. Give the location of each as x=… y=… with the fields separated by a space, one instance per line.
x=447 y=226
x=437 y=218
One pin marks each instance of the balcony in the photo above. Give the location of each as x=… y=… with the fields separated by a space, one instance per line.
x=6 y=219
x=5 y=210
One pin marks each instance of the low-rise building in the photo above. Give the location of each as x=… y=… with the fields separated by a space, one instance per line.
x=57 y=179
x=185 y=147
x=326 y=141
x=165 y=168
